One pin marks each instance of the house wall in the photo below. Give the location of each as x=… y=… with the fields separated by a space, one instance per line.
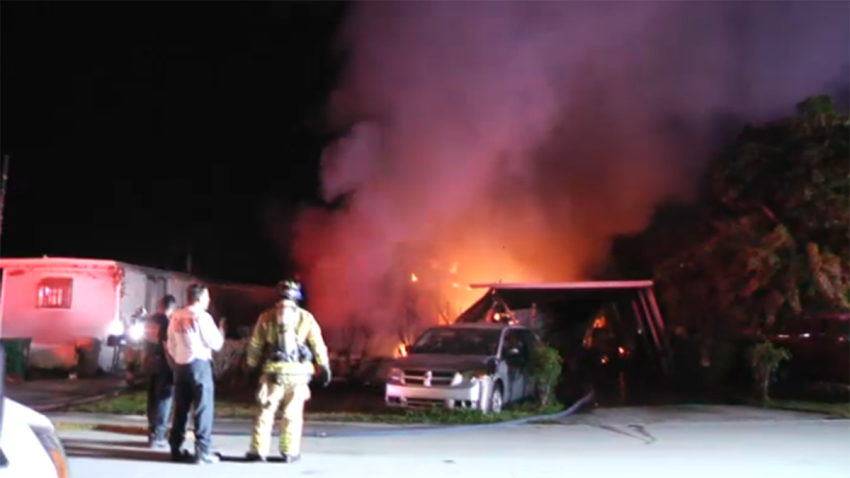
x=144 y=287
x=133 y=293
x=92 y=307
x=56 y=332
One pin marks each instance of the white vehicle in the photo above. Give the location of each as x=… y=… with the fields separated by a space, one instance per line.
x=472 y=366
x=29 y=446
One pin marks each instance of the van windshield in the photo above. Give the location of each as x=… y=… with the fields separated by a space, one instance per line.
x=458 y=341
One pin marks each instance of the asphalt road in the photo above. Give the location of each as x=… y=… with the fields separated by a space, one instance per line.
x=624 y=444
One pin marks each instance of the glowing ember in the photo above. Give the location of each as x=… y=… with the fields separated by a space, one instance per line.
x=413 y=278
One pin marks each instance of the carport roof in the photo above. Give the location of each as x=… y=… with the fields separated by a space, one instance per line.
x=522 y=295
x=575 y=300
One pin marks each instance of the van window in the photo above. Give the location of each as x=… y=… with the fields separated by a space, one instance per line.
x=55 y=292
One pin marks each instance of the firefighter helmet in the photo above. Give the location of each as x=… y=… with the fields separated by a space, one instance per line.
x=289 y=289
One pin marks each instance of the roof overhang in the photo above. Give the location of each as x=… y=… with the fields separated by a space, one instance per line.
x=522 y=295
x=636 y=284
x=54 y=262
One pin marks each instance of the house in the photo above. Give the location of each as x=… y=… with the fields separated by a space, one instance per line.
x=63 y=303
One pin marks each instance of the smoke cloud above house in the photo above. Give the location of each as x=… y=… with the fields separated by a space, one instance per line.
x=511 y=140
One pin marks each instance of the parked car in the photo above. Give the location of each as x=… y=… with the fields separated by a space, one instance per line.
x=819 y=349
x=29 y=446
x=464 y=366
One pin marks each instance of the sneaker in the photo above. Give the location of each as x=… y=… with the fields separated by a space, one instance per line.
x=287 y=458
x=254 y=457
x=158 y=444
x=207 y=458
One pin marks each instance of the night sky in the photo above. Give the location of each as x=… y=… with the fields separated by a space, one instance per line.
x=140 y=130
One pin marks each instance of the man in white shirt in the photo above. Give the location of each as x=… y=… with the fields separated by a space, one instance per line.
x=192 y=339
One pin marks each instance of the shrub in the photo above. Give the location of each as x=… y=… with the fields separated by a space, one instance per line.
x=765 y=358
x=544 y=369
x=229 y=362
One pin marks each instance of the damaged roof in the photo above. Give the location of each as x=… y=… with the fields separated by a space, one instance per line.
x=522 y=295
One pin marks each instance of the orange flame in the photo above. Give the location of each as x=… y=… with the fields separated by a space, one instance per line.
x=413 y=278
x=401 y=351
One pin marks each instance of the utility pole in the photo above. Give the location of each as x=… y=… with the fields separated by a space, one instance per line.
x=4 y=180
x=189 y=260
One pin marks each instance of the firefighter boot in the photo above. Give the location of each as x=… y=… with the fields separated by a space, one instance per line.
x=254 y=457
x=287 y=458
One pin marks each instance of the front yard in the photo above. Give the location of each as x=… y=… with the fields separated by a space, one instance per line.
x=833 y=409
x=134 y=403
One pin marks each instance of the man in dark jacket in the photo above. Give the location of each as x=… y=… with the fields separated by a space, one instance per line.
x=157 y=367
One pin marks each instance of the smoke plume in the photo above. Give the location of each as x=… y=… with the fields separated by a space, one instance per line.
x=514 y=139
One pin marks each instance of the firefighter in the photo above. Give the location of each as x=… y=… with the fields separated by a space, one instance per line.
x=286 y=341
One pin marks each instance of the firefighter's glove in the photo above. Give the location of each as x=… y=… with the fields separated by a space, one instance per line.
x=326 y=375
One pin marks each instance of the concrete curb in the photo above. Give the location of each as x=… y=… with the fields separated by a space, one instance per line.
x=49 y=407
x=393 y=430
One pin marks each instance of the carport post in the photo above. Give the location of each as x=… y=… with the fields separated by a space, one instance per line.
x=659 y=322
x=660 y=341
x=649 y=322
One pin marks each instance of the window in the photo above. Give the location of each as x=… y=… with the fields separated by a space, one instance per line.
x=514 y=340
x=55 y=293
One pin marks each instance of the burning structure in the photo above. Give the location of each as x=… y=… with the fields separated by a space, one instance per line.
x=515 y=140
x=574 y=315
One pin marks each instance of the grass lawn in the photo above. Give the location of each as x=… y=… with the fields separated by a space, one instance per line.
x=134 y=403
x=834 y=409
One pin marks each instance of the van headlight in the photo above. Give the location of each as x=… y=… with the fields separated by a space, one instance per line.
x=53 y=446
x=396 y=375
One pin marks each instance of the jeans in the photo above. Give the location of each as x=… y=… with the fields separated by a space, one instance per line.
x=193 y=386
x=160 y=396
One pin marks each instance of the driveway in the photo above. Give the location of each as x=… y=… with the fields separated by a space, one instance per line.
x=781 y=445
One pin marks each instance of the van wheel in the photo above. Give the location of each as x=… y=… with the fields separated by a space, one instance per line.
x=496 y=399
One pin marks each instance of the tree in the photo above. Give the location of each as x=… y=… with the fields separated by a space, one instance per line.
x=780 y=227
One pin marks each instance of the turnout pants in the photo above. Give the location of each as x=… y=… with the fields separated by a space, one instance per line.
x=193 y=386
x=160 y=397
x=290 y=393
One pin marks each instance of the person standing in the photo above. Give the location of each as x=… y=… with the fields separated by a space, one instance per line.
x=286 y=341
x=157 y=366
x=192 y=339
